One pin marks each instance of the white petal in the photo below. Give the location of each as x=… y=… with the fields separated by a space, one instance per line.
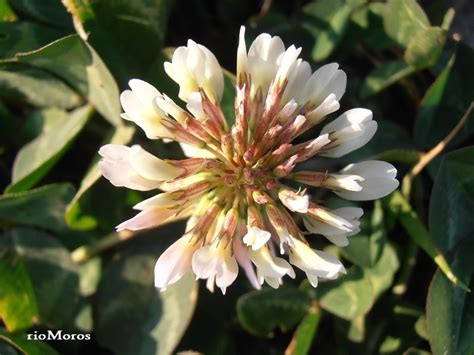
x=227 y=272
x=151 y=167
x=193 y=152
x=263 y=55
x=350 y=217
x=313 y=279
x=145 y=92
x=194 y=67
x=204 y=262
x=273 y=281
x=299 y=204
x=140 y=107
x=335 y=267
x=170 y=107
x=194 y=105
x=345 y=182
x=355 y=116
x=339 y=240
x=314 y=262
x=242 y=66
x=325 y=81
x=132 y=106
x=379 y=180
x=173 y=263
x=296 y=81
x=289 y=108
x=352 y=130
x=287 y=63
x=268 y=265
x=164 y=199
x=256 y=238
x=337 y=85
x=329 y=105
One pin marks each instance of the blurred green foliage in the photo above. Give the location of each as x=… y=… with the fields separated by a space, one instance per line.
x=62 y=66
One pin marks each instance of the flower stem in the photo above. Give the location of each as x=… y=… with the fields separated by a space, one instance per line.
x=86 y=252
x=433 y=153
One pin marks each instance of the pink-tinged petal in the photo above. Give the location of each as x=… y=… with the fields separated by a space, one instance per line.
x=241 y=254
x=204 y=262
x=173 y=263
x=148 y=218
x=117 y=168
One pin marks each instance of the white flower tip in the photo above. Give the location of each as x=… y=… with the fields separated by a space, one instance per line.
x=256 y=238
x=291 y=272
x=242 y=32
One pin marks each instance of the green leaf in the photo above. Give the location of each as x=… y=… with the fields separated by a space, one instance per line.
x=90 y=273
x=381 y=275
x=365 y=250
x=132 y=316
x=35 y=87
x=418 y=232
x=409 y=157
x=18 y=308
x=421 y=328
x=400 y=334
x=83 y=320
x=21 y=36
x=349 y=296
x=425 y=47
x=35 y=159
x=450 y=310
x=415 y=351
x=77 y=63
x=452 y=200
x=76 y=217
x=6 y=12
x=305 y=333
x=448 y=19
x=356 y=331
x=260 y=312
x=404 y=19
x=327 y=21
x=367 y=29
x=53 y=274
x=127 y=34
x=446 y=101
x=384 y=76
x=50 y=12
x=43 y=207
x=29 y=347
x=40 y=121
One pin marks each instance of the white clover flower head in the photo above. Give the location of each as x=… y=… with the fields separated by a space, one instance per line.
x=230 y=186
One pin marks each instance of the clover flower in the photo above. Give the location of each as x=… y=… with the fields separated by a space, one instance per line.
x=232 y=186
